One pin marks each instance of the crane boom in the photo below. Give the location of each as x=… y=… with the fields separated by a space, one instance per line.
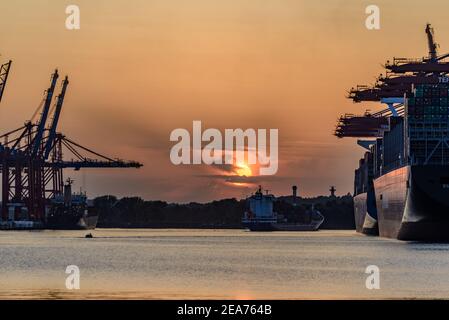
x=54 y=124
x=44 y=116
x=4 y=72
x=431 y=42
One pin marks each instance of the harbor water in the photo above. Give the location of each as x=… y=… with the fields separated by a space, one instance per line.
x=218 y=264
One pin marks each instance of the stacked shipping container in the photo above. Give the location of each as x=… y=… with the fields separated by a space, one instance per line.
x=427 y=112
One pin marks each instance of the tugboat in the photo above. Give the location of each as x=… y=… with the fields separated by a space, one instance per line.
x=261 y=217
x=71 y=211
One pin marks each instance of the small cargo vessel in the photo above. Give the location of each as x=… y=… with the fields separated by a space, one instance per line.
x=71 y=211
x=66 y=211
x=261 y=217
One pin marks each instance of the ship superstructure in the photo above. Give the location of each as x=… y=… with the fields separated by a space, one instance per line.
x=71 y=210
x=260 y=216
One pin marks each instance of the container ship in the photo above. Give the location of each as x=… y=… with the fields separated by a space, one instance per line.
x=401 y=187
x=261 y=217
x=71 y=211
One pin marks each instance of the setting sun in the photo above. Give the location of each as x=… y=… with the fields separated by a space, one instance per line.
x=242 y=169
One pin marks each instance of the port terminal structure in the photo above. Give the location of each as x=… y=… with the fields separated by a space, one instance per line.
x=32 y=158
x=401 y=76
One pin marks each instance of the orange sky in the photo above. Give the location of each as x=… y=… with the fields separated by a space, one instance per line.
x=139 y=69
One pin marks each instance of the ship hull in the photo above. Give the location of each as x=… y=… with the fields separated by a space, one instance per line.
x=413 y=203
x=85 y=223
x=365 y=213
x=359 y=211
x=72 y=223
x=21 y=225
x=255 y=226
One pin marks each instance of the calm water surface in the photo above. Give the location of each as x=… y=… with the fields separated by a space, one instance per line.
x=218 y=264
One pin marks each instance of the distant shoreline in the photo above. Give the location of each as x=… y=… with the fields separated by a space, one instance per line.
x=136 y=213
x=170 y=226
x=191 y=226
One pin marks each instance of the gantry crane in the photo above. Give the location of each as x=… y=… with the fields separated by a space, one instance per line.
x=32 y=160
x=54 y=124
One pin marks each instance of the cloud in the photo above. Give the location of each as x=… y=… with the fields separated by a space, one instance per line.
x=243 y=179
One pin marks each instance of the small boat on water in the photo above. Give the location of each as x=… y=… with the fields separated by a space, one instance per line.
x=261 y=217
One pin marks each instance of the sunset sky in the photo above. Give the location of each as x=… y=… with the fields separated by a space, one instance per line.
x=140 y=68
